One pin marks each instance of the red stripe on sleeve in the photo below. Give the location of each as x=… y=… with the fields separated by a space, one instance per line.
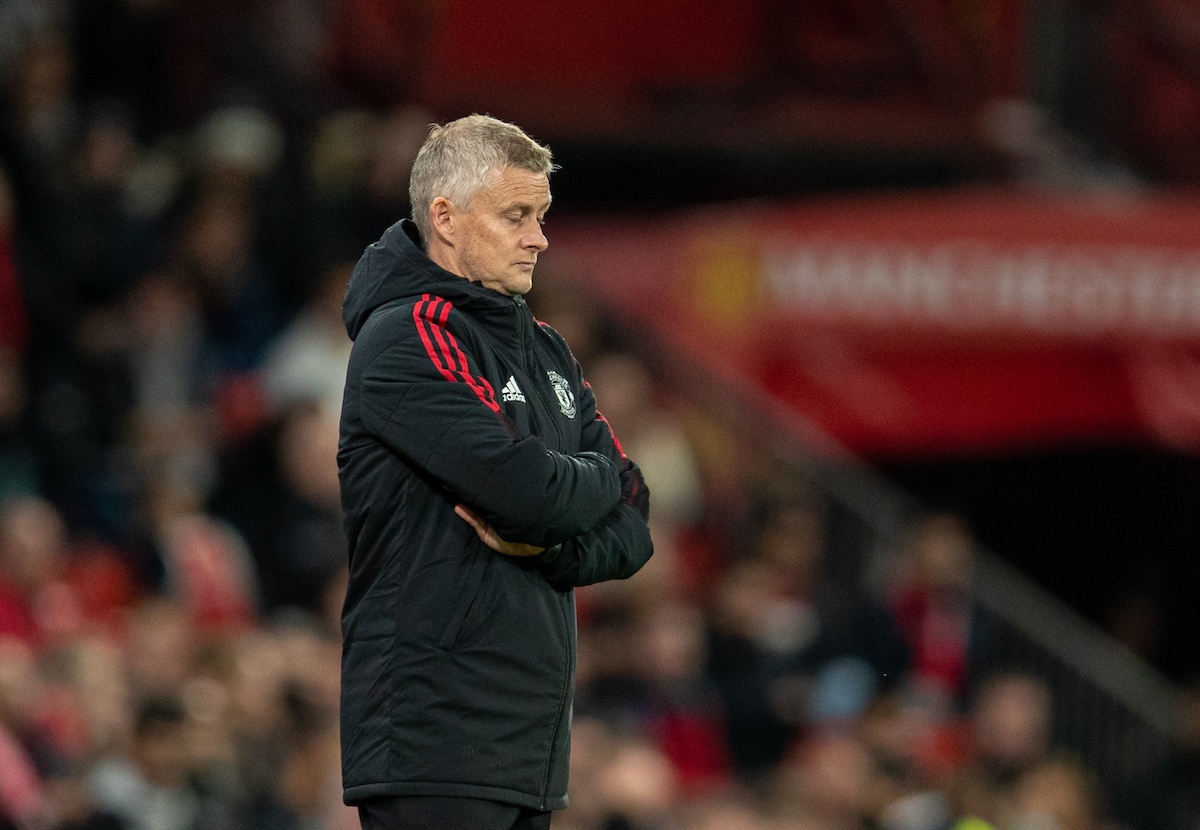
x=438 y=327
x=430 y=318
x=423 y=330
x=462 y=358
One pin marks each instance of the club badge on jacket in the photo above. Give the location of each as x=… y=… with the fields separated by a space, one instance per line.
x=562 y=391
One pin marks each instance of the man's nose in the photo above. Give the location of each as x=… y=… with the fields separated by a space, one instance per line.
x=536 y=239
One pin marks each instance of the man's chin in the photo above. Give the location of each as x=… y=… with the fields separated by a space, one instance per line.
x=512 y=287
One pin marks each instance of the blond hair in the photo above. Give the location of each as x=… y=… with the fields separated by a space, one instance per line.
x=456 y=158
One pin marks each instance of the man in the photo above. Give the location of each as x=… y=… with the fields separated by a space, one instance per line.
x=480 y=486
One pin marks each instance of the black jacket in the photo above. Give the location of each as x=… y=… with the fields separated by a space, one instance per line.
x=458 y=662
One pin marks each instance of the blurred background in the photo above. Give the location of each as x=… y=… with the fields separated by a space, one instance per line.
x=897 y=305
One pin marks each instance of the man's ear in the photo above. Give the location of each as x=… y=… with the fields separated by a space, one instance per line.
x=441 y=220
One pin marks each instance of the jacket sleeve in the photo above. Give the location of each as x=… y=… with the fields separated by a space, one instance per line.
x=620 y=544
x=615 y=549
x=424 y=398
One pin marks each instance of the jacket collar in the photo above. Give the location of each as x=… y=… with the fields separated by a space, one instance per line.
x=397 y=267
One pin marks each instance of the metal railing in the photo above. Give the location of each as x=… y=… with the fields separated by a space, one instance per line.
x=1110 y=707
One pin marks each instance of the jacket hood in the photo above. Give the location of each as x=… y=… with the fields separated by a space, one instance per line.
x=397 y=267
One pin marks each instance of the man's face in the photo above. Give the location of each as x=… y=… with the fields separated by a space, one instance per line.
x=500 y=236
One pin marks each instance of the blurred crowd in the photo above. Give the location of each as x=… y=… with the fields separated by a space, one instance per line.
x=178 y=220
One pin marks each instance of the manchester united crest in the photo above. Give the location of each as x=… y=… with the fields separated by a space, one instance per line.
x=562 y=391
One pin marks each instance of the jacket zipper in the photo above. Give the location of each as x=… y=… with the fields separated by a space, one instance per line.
x=551 y=410
x=528 y=343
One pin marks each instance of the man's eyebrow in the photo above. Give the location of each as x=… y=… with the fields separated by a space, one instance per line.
x=525 y=206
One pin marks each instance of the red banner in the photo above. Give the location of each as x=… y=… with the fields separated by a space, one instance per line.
x=931 y=323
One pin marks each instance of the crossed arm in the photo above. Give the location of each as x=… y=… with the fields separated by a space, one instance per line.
x=616 y=547
x=584 y=515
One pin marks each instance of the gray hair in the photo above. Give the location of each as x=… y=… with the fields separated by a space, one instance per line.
x=456 y=158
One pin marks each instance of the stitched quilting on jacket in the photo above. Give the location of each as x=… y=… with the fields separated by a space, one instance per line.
x=458 y=662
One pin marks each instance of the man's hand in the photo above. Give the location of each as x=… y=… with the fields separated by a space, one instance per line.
x=489 y=537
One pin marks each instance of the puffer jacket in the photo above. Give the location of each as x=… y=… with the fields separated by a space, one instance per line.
x=458 y=662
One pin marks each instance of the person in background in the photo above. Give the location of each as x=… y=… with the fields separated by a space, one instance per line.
x=931 y=603
x=1010 y=723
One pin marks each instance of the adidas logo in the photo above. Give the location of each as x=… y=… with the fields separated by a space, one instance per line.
x=512 y=392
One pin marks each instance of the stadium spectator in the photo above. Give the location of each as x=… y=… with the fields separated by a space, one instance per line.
x=106 y=243
x=1059 y=793
x=790 y=646
x=150 y=788
x=828 y=782
x=160 y=647
x=166 y=346
x=36 y=605
x=292 y=518
x=683 y=714
x=930 y=599
x=648 y=431
x=1010 y=722
x=238 y=304
x=307 y=362
x=728 y=813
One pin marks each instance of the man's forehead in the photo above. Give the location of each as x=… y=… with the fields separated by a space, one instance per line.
x=517 y=185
